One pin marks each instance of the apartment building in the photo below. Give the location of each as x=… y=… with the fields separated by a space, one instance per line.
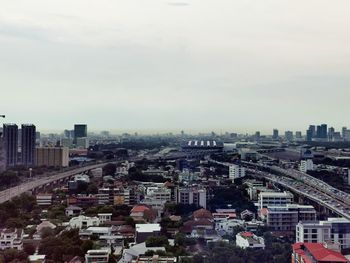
x=192 y=195
x=11 y=238
x=335 y=230
x=270 y=199
x=285 y=218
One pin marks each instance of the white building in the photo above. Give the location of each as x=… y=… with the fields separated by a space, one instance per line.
x=98 y=255
x=335 y=230
x=135 y=251
x=104 y=217
x=236 y=171
x=269 y=199
x=11 y=238
x=44 y=199
x=82 y=222
x=306 y=165
x=249 y=240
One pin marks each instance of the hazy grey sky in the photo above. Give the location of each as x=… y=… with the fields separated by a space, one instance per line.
x=236 y=65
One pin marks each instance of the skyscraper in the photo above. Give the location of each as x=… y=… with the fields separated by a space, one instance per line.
x=275 y=134
x=288 y=135
x=28 y=144
x=80 y=131
x=10 y=139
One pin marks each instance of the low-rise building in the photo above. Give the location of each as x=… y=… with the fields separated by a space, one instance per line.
x=11 y=238
x=104 y=217
x=83 y=222
x=335 y=230
x=154 y=259
x=97 y=255
x=249 y=240
x=73 y=210
x=143 y=231
x=44 y=199
x=316 y=253
x=142 y=213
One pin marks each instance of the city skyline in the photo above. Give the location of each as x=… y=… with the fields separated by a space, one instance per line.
x=159 y=65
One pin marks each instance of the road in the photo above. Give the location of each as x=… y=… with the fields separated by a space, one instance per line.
x=37 y=182
x=304 y=185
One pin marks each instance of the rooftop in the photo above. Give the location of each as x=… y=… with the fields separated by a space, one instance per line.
x=147 y=228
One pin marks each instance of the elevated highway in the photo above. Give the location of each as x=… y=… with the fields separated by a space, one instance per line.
x=302 y=184
x=9 y=193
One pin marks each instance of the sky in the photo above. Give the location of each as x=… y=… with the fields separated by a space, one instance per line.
x=168 y=65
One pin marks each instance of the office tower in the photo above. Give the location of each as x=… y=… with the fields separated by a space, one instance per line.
x=321 y=131
x=324 y=132
x=275 y=134
x=343 y=131
x=66 y=133
x=289 y=135
x=298 y=135
x=309 y=135
x=2 y=155
x=257 y=135
x=331 y=132
x=80 y=131
x=312 y=128
x=28 y=144
x=10 y=136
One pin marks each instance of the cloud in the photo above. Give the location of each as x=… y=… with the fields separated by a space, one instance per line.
x=178 y=4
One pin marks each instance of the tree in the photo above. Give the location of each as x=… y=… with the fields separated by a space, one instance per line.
x=109 y=169
x=87 y=245
x=46 y=232
x=158 y=241
x=92 y=189
x=29 y=248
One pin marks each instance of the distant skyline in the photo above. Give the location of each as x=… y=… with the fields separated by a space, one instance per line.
x=158 y=65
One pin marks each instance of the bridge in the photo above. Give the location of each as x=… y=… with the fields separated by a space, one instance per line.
x=45 y=181
x=303 y=185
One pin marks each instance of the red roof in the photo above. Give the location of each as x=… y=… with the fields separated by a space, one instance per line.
x=139 y=209
x=202 y=213
x=246 y=234
x=318 y=252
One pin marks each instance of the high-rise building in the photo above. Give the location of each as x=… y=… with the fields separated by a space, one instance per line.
x=288 y=135
x=309 y=135
x=28 y=144
x=312 y=128
x=275 y=134
x=80 y=131
x=10 y=136
x=331 y=132
x=2 y=155
x=321 y=131
x=257 y=135
x=343 y=130
x=52 y=156
x=298 y=135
